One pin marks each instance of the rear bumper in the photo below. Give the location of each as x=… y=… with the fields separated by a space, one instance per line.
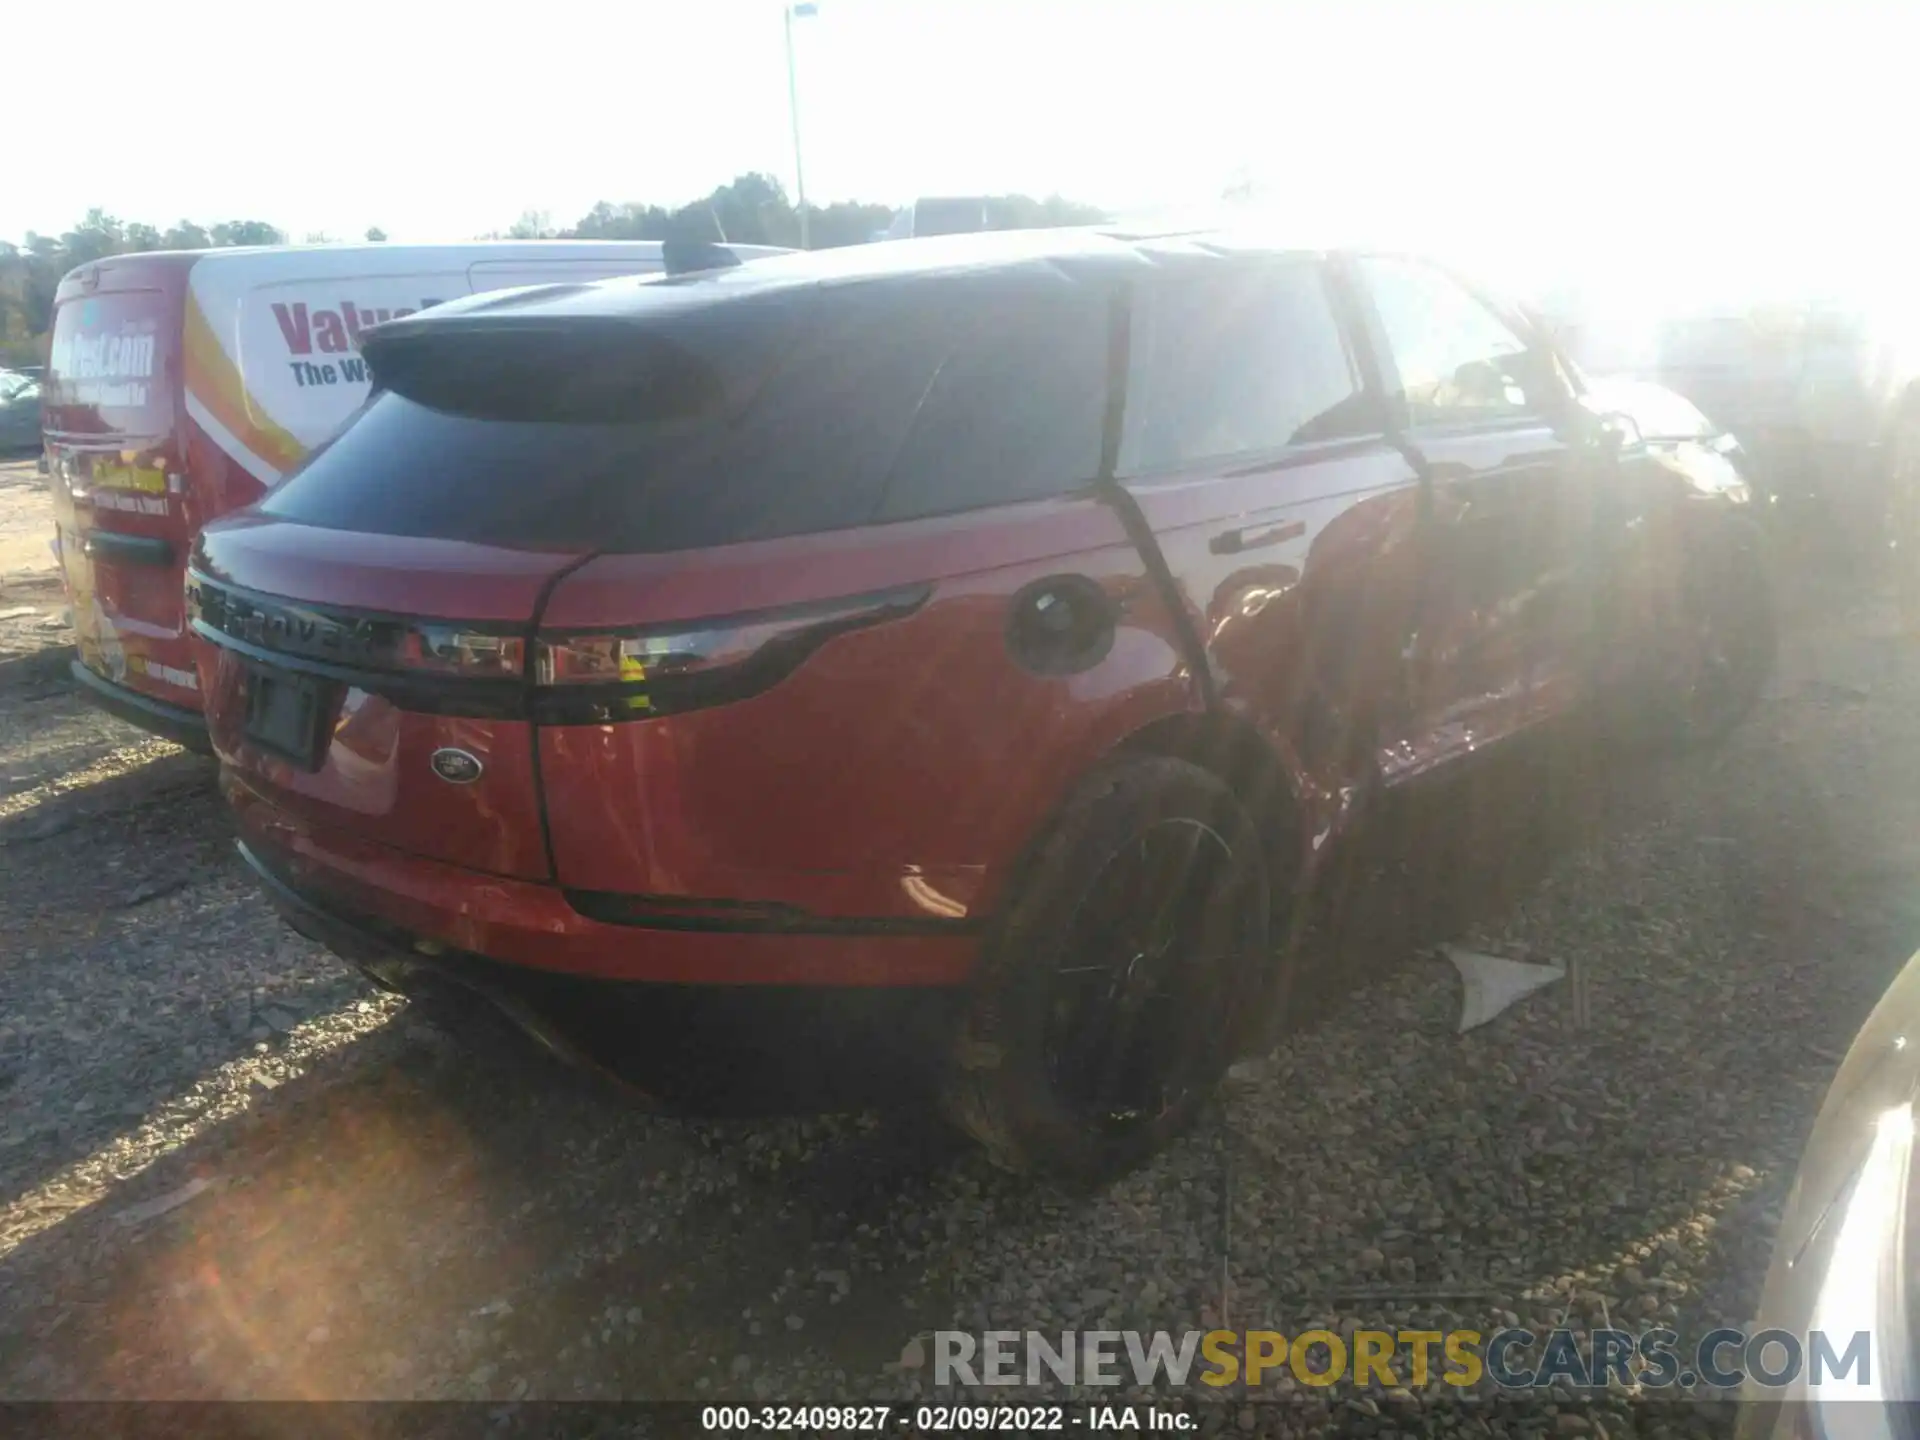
x=733 y=1048
x=171 y=722
x=404 y=903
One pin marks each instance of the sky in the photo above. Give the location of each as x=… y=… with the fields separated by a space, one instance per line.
x=1682 y=143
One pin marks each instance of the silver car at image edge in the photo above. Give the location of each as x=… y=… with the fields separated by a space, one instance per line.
x=1840 y=1260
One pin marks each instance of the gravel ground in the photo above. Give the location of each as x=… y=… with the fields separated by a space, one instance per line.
x=228 y=1170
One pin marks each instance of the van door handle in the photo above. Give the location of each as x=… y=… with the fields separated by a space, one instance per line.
x=1253 y=537
x=140 y=549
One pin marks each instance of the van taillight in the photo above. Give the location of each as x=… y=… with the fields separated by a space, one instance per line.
x=594 y=677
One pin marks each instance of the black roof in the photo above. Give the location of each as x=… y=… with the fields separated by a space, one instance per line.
x=1012 y=257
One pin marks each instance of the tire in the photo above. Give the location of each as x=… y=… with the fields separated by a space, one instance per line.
x=1726 y=633
x=1074 y=1062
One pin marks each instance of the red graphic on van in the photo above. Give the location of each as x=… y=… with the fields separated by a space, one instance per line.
x=333 y=332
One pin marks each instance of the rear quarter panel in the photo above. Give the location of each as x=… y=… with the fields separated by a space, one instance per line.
x=900 y=770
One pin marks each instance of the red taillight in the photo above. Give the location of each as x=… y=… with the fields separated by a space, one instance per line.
x=608 y=675
x=582 y=678
x=643 y=655
x=348 y=642
x=450 y=650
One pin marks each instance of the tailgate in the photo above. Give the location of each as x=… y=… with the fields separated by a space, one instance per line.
x=394 y=709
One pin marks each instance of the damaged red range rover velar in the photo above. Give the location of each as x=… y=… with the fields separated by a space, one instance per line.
x=1013 y=622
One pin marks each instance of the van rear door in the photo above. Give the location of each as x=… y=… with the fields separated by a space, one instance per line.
x=114 y=446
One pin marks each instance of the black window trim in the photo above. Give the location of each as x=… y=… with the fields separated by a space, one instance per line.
x=1274 y=460
x=1238 y=464
x=1400 y=419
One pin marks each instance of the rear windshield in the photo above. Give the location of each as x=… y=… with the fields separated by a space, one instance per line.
x=835 y=410
x=107 y=370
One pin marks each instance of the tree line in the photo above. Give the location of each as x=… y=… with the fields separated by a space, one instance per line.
x=751 y=209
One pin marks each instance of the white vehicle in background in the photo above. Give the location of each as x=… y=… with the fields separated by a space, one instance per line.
x=941 y=215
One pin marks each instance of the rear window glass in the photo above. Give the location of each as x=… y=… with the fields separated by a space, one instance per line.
x=107 y=366
x=1013 y=411
x=752 y=421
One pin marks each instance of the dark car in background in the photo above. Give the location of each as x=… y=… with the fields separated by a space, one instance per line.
x=1012 y=623
x=19 y=412
x=1811 y=396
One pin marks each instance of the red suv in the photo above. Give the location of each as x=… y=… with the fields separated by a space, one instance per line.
x=1010 y=619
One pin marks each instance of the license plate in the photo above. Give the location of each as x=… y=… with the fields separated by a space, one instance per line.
x=287 y=715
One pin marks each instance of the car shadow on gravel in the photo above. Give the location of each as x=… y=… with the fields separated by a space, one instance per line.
x=361 y=1226
x=1432 y=861
x=408 y=1218
x=171 y=777
x=363 y=1223
x=1617 y=1146
x=37 y=671
x=129 y=934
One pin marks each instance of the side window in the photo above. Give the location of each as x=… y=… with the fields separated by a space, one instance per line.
x=1458 y=362
x=1015 y=405
x=1236 y=362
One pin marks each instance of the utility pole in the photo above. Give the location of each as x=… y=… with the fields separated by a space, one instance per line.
x=801 y=9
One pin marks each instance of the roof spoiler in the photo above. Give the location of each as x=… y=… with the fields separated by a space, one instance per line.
x=682 y=256
x=685 y=253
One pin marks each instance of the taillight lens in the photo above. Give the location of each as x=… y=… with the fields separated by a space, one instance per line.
x=448 y=650
x=608 y=675
x=584 y=678
x=269 y=627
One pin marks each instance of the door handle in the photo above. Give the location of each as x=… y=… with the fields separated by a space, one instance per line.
x=1253 y=537
x=139 y=549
